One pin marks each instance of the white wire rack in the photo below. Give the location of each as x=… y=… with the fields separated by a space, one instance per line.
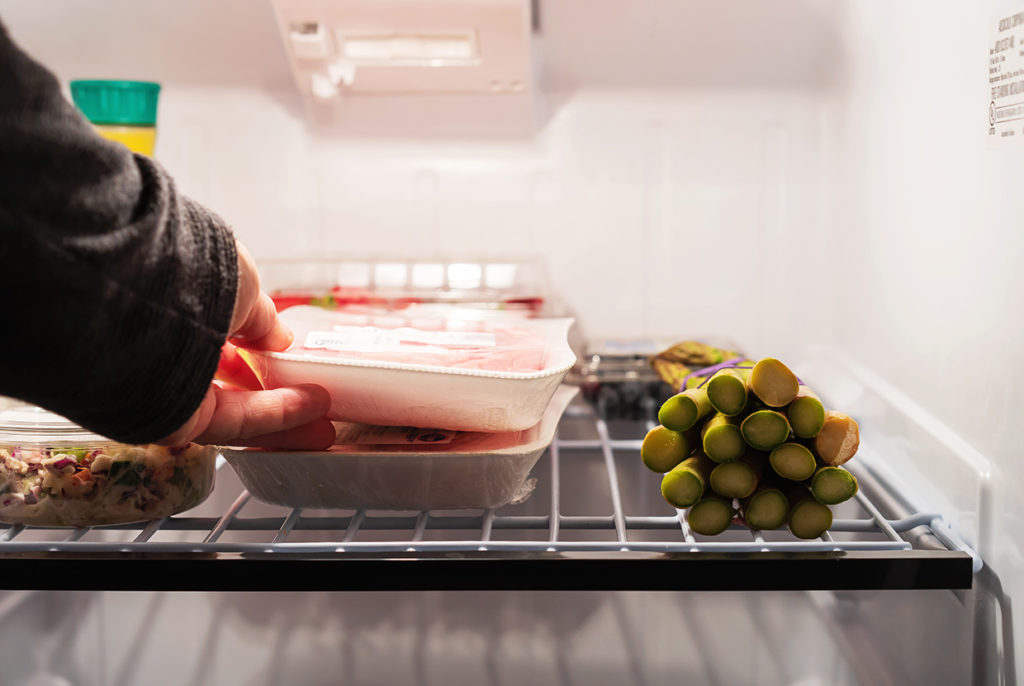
x=583 y=454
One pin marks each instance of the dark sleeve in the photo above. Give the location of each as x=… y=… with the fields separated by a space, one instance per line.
x=116 y=291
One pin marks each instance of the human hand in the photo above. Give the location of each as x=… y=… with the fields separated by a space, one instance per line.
x=280 y=418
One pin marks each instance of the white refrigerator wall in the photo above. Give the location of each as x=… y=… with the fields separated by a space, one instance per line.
x=778 y=173
x=929 y=216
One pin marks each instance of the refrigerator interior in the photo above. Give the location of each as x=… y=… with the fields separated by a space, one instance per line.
x=790 y=175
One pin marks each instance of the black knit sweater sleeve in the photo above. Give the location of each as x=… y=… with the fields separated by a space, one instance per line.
x=117 y=291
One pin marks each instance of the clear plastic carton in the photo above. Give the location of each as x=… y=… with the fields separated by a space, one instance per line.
x=395 y=283
x=55 y=473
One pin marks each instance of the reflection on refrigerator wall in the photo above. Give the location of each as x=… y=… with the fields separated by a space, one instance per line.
x=488 y=638
x=42 y=637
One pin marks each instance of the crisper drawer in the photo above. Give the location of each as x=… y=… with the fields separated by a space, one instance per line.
x=595 y=521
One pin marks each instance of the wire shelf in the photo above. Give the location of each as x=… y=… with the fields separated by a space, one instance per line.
x=626 y=538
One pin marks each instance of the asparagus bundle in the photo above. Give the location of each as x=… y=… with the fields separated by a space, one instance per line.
x=718 y=434
x=685 y=484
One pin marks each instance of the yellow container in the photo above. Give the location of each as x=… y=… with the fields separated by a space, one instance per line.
x=138 y=138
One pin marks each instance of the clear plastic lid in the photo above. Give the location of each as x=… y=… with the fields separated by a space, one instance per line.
x=28 y=425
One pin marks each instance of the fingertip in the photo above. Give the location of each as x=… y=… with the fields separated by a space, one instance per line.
x=318 y=395
x=263 y=329
x=318 y=434
x=280 y=336
x=321 y=434
x=287 y=333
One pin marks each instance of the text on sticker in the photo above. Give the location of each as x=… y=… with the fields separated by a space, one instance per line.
x=371 y=339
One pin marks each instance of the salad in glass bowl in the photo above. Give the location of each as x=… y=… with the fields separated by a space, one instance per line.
x=54 y=473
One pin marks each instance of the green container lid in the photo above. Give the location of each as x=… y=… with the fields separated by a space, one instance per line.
x=131 y=103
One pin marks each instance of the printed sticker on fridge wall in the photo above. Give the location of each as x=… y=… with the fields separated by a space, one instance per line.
x=1006 y=78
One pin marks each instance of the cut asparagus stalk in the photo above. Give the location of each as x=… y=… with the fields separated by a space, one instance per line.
x=838 y=439
x=663 y=449
x=773 y=382
x=807 y=517
x=721 y=439
x=793 y=461
x=765 y=429
x=683 y=410
x=727 y=391
x=737 y=479
x=831 y=485
x=806 y=414
x=766 y=509
x=711 y=516
x=685 y=484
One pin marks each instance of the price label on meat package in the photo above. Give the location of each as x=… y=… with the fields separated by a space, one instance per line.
x=367 y=434
x=1006 y=78
x=371 y=339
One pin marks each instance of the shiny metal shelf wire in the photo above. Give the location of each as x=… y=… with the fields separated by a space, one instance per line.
x=503 y=534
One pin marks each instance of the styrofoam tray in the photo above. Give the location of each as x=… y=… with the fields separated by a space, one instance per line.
x=398 y=394
x=476 y=470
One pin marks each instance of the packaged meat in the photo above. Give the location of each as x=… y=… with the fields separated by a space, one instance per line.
x=54 y=473
x=403 y=468
x=497 y=379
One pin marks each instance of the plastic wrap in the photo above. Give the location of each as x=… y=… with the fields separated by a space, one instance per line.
x=464 y=470
x=395 y=393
